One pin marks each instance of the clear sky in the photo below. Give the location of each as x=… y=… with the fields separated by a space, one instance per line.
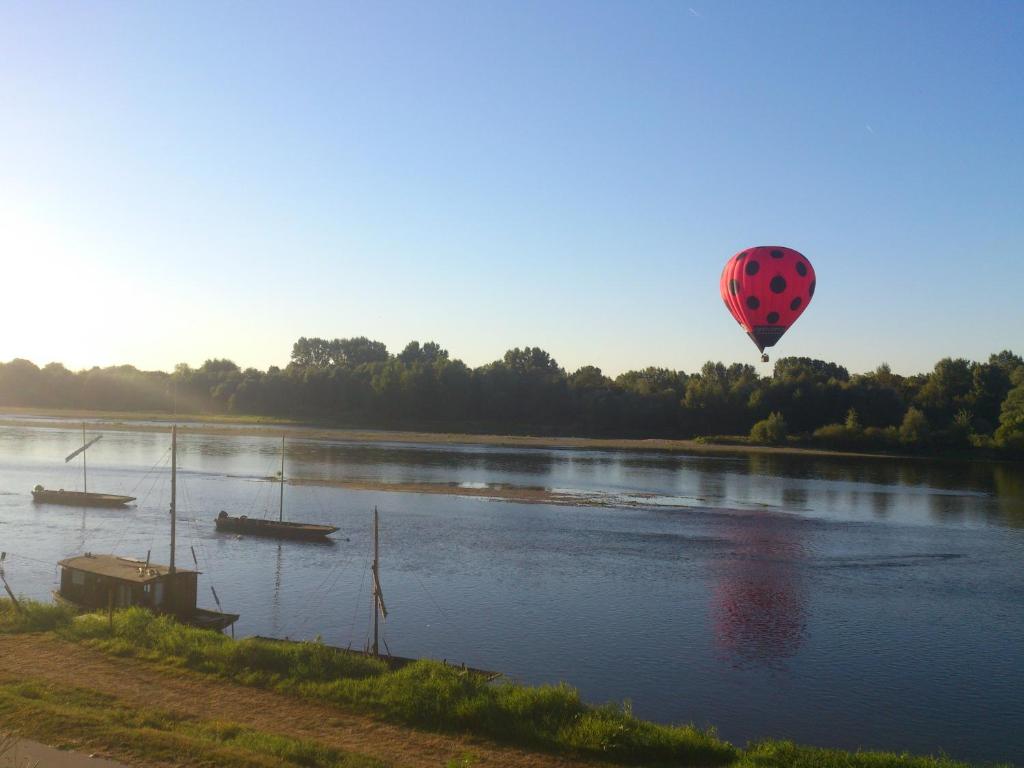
x=215 y=179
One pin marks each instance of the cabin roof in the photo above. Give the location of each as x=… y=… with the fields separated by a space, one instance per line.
x=120 y=568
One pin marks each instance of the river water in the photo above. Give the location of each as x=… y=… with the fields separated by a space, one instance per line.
x=870 y=603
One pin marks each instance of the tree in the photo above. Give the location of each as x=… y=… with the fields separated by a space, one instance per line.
x=770 y=431
x=946 y=391
x=312 y=352
x=359 y=351
x=588 y=377
x=1011 y=419
x=914 y=429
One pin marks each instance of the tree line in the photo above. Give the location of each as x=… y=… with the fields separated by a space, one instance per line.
x=357 y=382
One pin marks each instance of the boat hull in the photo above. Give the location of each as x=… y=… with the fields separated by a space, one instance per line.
x=201 y=618
x=274 y=529
x=80 y=498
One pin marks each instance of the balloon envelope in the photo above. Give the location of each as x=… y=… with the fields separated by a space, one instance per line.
x=766 y=289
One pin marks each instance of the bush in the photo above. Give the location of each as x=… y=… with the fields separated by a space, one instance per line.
x=914 y=429
x=770 y=431
x=843 y=437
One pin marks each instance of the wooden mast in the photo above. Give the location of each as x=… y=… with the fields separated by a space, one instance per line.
x=280 y=512
x=379 y=608
x=174 y=478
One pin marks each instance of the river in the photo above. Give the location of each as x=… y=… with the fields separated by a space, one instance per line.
x=873 y=603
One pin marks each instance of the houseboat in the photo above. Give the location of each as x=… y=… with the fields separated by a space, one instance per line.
x=100 y=582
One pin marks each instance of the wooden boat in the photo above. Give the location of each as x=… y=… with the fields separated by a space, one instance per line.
x=103 y=582
x=99 y=582
x=42 y=495
x=83 y=498
x=275 y=529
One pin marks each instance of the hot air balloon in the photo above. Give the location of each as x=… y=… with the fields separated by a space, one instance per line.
x=766 y=289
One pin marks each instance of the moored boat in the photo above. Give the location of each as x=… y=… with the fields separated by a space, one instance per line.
x=277 y=529
x=274 y=529
x=82 y=498
x=42 y=495
x=98 y=582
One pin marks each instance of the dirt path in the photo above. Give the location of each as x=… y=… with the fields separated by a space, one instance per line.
x=44 y=657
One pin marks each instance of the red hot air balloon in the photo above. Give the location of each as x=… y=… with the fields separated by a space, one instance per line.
x=767 y=288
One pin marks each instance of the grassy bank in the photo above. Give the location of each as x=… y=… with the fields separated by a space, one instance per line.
x=424 y=695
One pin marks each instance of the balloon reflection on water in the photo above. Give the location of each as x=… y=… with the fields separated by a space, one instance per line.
x=759 y=598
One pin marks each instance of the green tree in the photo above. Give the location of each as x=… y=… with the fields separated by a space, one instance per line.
x=1011 y=419
x=770 y=431
x=914 y=429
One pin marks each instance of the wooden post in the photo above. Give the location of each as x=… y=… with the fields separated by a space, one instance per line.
x=280 y=513
x=14 y=600
x=85 y=475
x=174 y=478
x=376 y=595
x=379 y=609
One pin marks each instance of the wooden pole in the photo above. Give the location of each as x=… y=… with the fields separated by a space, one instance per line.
x=376 y=584
x=280 y=513
x=174 y=489
x=14 y=600
x=85 y=475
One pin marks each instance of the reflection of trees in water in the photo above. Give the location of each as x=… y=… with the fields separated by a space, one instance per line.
x=794 y=498
x=947 y=508
x=880 y=503
x=934 y=473
x=1009 y=484
x=759 y=609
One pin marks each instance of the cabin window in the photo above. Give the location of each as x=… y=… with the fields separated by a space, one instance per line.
x=77 y=578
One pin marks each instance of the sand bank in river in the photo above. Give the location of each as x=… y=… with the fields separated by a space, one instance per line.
x=498 y=492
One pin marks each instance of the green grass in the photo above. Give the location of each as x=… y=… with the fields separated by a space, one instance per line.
x=32 y=617
x=433 y=696
x=73 y=717
x=786 y=754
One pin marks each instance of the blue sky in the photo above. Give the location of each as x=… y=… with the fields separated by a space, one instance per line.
x=188 y=180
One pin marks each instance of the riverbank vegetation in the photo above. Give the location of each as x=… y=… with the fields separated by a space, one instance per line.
x=959 y=406
x=425 y=695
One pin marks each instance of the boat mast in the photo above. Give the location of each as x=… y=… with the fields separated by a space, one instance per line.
x=85 y=475
x=379 y=608
x=174 y=477
x=280 y=513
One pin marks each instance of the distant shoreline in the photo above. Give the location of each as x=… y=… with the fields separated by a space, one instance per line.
x=211 y=424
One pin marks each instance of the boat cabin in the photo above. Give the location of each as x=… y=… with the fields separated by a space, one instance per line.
x=99 y=581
